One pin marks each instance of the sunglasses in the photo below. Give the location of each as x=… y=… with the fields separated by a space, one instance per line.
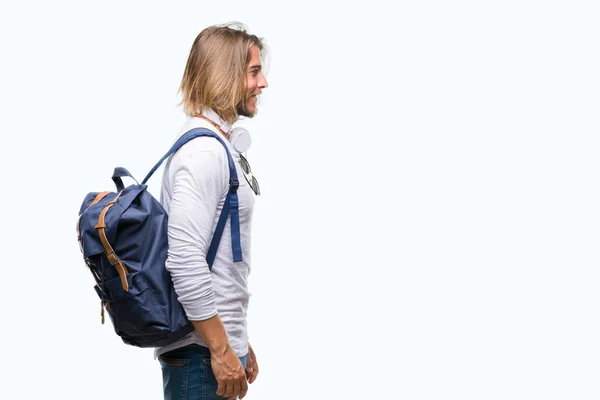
x=248 y=175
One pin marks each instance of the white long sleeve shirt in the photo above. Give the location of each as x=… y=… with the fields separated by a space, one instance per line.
x=195 y=184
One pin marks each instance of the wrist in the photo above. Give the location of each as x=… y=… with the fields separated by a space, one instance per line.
x=218 y=349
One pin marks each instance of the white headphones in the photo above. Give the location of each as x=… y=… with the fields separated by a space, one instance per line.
x=240 y=139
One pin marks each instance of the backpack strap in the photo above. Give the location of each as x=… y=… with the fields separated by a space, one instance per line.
x=98 y=197
x=231 y=206
x=119 y=173
x=110 y=253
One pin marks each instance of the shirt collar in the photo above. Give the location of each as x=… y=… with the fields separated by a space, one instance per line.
x=214 y=117
x=235 y=134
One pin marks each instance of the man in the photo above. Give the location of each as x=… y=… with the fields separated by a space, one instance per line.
x=222 y=81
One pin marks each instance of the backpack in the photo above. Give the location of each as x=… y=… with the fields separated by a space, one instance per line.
x=123 y=238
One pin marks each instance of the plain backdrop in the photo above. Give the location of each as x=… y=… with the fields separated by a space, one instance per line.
x=428 y=226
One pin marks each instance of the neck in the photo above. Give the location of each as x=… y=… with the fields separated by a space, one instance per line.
x=213 y=124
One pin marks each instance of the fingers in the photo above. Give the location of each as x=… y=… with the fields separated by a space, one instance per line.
x=230 y=391
x=252 y=368
x=244 y=389
x=235 y=390
x=253 y=375
x=220 y=389
x=249 y=367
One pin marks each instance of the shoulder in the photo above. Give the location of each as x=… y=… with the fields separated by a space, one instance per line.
x=206 y=145
x=214 y=145
x=204 y=154
x=200 y=160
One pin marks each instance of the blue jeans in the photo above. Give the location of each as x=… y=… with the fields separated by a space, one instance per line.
x=188 y=375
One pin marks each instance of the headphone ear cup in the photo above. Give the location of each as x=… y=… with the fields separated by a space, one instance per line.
x=240 y=139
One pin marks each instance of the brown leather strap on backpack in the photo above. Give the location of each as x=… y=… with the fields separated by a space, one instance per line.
x=98 y=197
x=110 y=253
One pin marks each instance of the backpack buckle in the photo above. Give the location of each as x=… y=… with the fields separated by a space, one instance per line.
x=234 y=184
x=112 y=257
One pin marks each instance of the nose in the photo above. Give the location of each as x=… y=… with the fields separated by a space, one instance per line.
x=262 y=83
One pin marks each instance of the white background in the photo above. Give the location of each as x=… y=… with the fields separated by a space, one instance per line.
x=429 y=222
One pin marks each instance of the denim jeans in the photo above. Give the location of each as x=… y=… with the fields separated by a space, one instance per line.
x=188 y=375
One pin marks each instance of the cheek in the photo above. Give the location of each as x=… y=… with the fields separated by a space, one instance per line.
x=251 y=84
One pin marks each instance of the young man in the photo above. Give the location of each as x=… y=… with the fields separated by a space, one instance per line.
x=222 y=81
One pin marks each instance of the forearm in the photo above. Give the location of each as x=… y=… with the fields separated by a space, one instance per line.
x=213 y=334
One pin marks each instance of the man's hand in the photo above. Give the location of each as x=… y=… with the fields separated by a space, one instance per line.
x=229 y=373
x=225 y=364
x=251 y=365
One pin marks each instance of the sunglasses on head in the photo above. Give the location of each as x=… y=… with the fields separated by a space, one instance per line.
x=248 y=175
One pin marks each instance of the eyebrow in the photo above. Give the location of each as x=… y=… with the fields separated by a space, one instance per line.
x=255 y=67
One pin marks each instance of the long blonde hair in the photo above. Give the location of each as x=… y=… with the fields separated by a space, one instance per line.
x=215 y=73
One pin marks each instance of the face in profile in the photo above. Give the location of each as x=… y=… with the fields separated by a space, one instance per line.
x=255 y=83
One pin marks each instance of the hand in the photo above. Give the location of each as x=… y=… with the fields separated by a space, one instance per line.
x=229 y=373
x=251 y=365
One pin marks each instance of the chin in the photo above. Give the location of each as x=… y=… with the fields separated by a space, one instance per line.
x=248 y=111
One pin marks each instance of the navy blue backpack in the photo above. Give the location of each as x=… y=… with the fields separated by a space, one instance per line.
x=123 y=237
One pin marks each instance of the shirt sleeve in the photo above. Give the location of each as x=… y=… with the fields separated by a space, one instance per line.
x=199 y=183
